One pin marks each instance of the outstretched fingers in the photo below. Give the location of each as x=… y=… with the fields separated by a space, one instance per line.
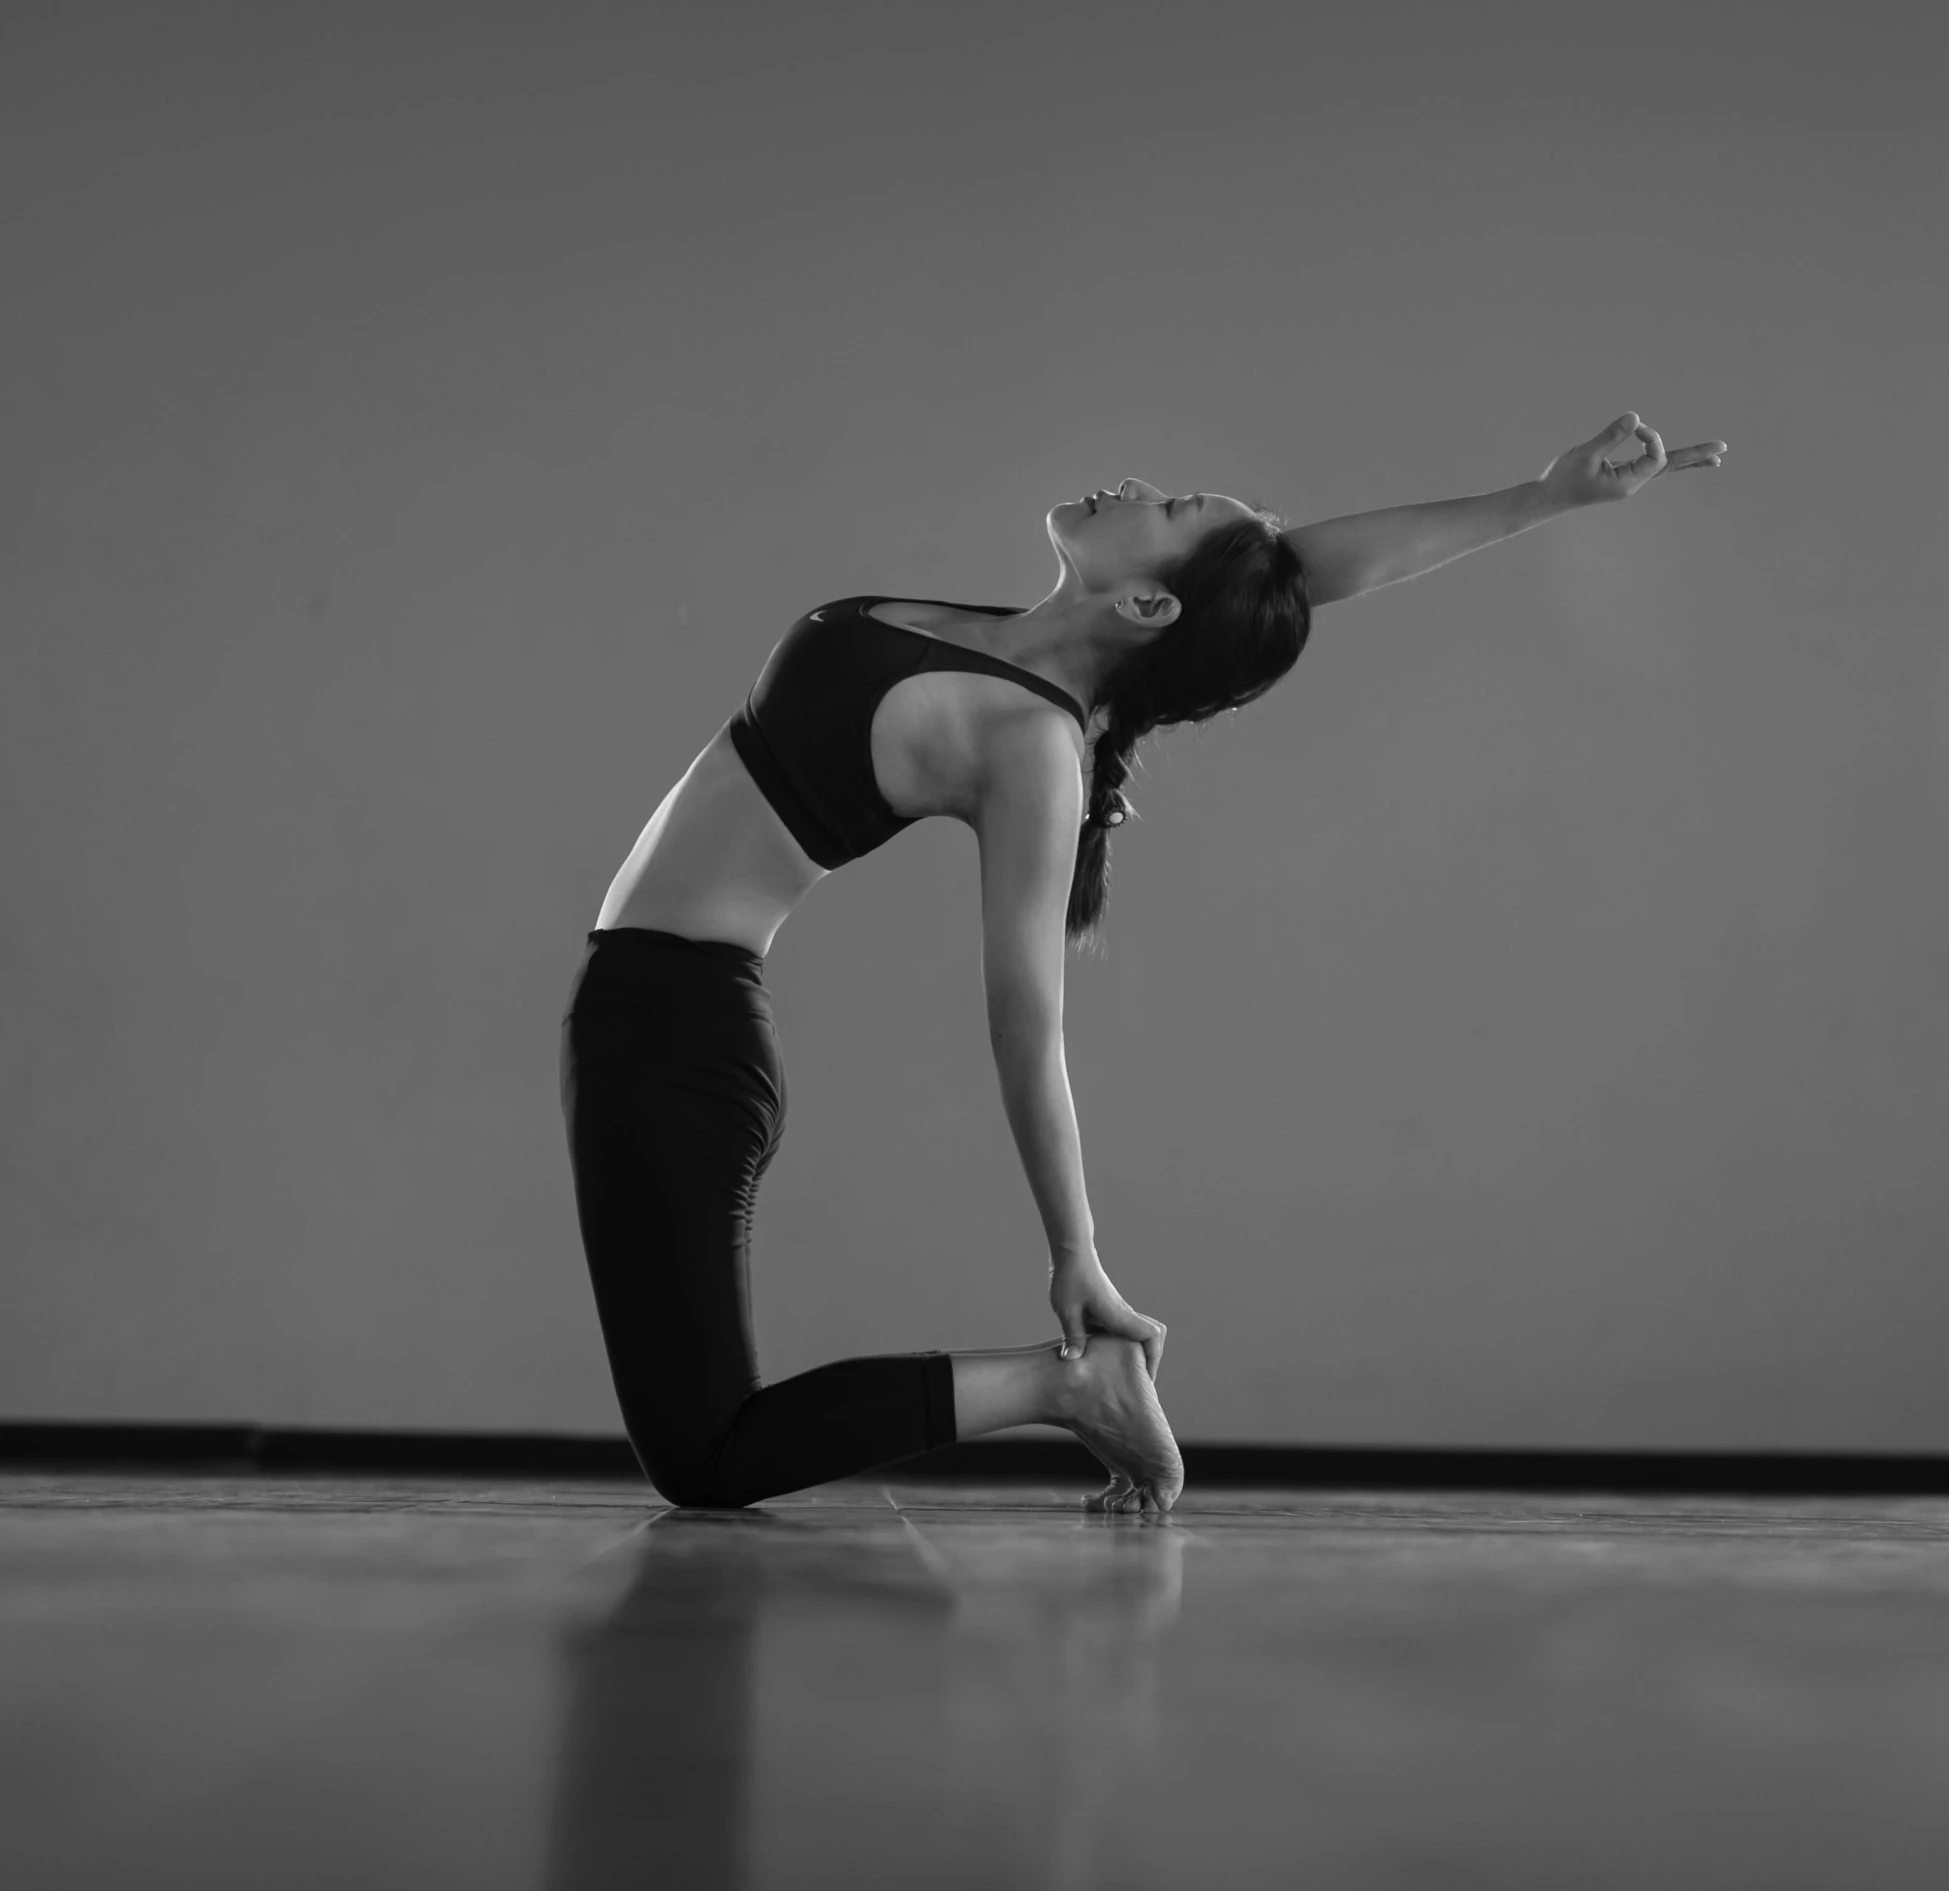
x=1654 y=460
x=1599 y=470
x=1706 y=453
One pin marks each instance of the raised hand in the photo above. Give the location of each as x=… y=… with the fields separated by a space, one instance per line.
x=1596 y=470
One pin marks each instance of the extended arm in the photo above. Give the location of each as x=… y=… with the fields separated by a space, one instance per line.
x=1030 y=810
x=1366 y=550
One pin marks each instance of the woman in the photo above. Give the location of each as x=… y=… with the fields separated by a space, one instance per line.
x=874 y=712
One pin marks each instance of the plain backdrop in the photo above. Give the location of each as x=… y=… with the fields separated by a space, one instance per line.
x=1525 y=1027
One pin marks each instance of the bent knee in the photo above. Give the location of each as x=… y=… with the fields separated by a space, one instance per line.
x=693 y=1479
x=700 y=1493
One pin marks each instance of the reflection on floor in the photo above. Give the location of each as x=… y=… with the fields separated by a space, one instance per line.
x=292 y=1683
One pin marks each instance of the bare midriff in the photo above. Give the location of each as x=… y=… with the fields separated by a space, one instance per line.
x=716 y=861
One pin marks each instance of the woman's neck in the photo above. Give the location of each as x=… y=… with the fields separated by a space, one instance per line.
x=1071 y=638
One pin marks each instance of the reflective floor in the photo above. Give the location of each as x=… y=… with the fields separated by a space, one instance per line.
x=269 y=1683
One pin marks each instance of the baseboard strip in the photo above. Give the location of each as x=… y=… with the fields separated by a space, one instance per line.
x=296 y=1449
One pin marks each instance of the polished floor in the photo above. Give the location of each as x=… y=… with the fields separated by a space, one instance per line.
x=273 y=1682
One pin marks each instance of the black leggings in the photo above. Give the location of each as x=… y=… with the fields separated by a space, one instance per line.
x=675 y=1096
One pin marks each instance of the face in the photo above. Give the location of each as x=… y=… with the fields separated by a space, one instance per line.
x=1115 y=539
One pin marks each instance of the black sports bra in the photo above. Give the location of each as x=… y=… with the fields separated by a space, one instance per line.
x=805 y=732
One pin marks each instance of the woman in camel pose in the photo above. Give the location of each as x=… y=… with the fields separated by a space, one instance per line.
x=871 y=713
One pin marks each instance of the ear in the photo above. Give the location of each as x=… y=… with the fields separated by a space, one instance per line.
x=1151 y=608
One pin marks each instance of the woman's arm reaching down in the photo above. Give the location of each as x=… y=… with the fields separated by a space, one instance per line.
x=1366 y=550
x=1031 y=808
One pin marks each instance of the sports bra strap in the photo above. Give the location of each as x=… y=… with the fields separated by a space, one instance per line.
x=957 y=656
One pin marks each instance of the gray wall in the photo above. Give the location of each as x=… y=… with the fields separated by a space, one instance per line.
x=1527 y=1026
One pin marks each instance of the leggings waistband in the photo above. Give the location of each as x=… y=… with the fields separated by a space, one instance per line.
x=734 y=958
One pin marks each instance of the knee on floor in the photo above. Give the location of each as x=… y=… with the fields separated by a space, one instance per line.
x=693 y=1482
x=700 y=1493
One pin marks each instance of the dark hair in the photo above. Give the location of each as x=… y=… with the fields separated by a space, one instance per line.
x=1244 y=620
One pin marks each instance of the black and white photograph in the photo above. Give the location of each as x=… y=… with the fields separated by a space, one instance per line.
x=974 y=943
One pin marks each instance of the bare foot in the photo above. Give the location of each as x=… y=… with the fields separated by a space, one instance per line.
x=1110 y=1403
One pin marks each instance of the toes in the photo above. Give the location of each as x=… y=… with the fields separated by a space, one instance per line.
x=1110 y=1496
x=1125 y=1498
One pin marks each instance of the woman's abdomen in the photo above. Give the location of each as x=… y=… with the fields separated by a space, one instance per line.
x=714 y=861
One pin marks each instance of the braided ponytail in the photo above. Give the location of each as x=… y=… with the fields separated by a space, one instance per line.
x=1243 y=621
